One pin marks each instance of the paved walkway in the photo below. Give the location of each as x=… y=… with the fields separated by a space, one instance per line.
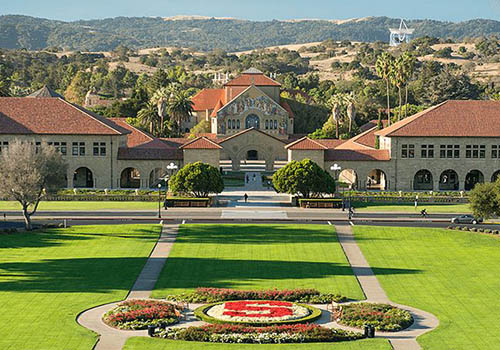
x=423 y=321
x=111 y=338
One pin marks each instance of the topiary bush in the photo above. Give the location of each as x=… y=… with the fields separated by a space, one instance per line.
x=383 y=317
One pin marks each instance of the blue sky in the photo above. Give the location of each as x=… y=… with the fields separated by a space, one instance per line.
x=451 y=10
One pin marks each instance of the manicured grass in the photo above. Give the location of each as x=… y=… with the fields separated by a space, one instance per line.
x=458 y=280
x=257 y=257
x=83 y=205
x=410 y=208
x=48 y=278
x=163 y=344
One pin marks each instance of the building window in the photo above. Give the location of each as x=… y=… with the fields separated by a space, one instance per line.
x=449 y=151
x=64 y=148
x=442 y=151
x=495 y=151
x=267 y=124
x=78 y=148
x=456 y=151
x=427 y=151
x=37 y=146
x=408 y=151
x=99 y=148
x=475 y=151
x=4 y=145
x=238 y=124
x=74 y=149
x=275 y=124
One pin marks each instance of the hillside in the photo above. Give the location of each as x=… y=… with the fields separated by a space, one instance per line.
x=207 y=34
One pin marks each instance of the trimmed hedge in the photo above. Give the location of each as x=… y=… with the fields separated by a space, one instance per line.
x=383 y=317
x=213 y=295
x=320 y=203
x=200 y=313
x=227 y=333
x=474 y=229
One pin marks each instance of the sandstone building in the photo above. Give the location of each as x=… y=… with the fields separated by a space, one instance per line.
x=449 y=147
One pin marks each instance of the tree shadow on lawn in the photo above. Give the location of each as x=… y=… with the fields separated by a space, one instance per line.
x=186 y=273
x=56 y=237
x=85 y=275
x=255 y=234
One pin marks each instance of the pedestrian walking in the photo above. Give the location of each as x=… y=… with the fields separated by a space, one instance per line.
x=246 y=197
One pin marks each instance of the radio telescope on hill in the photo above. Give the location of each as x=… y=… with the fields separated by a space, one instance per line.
x=401 y=35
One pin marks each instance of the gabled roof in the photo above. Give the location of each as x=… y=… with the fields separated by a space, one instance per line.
x=252 y=77
x=249 y=130
x=207 y=99
x=262 y=93
x=49 y=115
x=357 y=155
x=201 y=143
x=306 y=143
x=450 y=119
x=218 y=106
x=45 y=91
x=136 y=137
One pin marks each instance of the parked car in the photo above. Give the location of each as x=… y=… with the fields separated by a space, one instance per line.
x=466 y=219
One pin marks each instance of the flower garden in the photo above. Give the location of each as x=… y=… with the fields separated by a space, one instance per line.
x=381 y=316
x=139 y=314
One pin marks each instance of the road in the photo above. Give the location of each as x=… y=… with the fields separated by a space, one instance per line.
x=237 y=215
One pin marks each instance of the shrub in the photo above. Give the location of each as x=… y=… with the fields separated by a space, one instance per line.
x=226 y=333
x=213 y=295
x=139 y=314
x=487 y=230
x=383 y=317
x=465 y=228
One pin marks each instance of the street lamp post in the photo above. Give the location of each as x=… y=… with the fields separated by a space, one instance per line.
x=336 y=169
x=159 y=200
x=171 y=169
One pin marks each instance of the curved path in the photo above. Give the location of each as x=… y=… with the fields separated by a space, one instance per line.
x=114 y=339
x=423 y=321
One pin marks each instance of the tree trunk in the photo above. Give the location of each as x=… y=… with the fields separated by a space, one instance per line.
x=337 y=128
x=27 y=218
x=388 y=104
x=406 y=100
x=400 y=103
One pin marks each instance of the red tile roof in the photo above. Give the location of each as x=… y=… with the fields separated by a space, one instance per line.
x=331 y=143
x=139 y=153
x=306 y=143
x=357 y=155
x=52 y=115
x=218 y=106
x=201 y=143
x=207 y=99
x=257 y=79
x=136 y=137
x=249 y=130
x=450 y=119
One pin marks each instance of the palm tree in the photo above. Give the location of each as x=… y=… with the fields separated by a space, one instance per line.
x=408 y=69
x=160 y=99
x=337 y=102
x=148 y=116
x=398 y=78
x=383 y=67
x=179 y=106
x=351 y=109
x=4 y=88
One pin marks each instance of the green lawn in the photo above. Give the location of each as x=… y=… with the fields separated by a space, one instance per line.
x=84 y=205
x=257 y=256
x=457 y=278
x=162 y=344
x=47 y=279
x=410 y=208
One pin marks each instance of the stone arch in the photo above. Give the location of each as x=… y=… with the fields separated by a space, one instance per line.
x=472 y=178
x=252 y=121
x=449 y=181
x=495 y=176
x=349 y=177
x=376 y=180
x=83 y=177
x=156 y=176
x=130 y=178
x=422 y=181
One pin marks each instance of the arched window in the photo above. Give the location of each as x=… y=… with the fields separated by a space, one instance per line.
x=252 y=121
x=234 y=124
x=238 y=124
x=267 y=124
x=275 y=124
x=229 y=124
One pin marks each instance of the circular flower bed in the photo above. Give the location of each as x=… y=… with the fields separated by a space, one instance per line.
x=139 y=314
x=382 y=316
x=230 y=333
x=257 y=312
